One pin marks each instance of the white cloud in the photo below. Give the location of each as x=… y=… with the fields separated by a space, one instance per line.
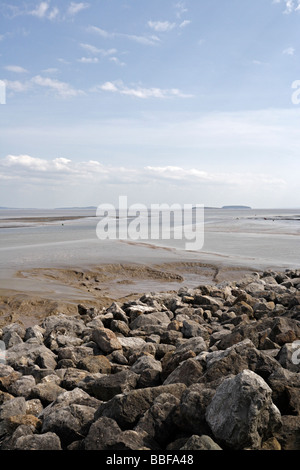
x=90 y=48
x=100 y=32
x=41 y=10
x=289 y=51
x=95 y=50
x=259 y=62
x=53 y=14
x=60 y=170
x=75 y=8
x=109 y=86
x=51 y=70
x=15 y=69
x=140 y=92
x=117 y=61
x=194 y=175
x=146 y=40
x=62 y=89
x=290 y=5
x=180 y=8
x=16 y=86
x=184 y=23
x=89 y=60
x=161 y=26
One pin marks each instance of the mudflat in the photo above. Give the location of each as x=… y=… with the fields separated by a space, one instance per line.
x=36 y=293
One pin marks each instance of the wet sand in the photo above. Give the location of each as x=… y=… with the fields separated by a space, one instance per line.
x=18 y=222
x=60 y=290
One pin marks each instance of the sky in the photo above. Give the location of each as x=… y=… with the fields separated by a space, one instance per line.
x=165 y=102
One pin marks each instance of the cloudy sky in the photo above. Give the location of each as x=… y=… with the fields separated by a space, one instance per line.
x=173 y=101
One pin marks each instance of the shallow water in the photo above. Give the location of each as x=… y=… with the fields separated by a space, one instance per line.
x=250 y=238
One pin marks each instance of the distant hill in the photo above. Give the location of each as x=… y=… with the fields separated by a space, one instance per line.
x=236 y=207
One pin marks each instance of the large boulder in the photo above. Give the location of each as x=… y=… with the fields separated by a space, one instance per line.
x=69 y=416
x=48 y=441
x=241 y=414
x=127 y=408
x=105 y=434
x=106 y=340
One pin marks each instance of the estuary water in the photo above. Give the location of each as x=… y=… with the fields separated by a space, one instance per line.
x=258 y=239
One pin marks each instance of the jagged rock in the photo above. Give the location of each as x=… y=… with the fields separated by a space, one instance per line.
x=34 y=407
x=46 y=392
x=14 y=407
x=9 y=442
x=193 y=404
x=118 y=312
x=128 y=408
x=158 y=420
x=106 y=387
x=285 y=330
x=285 y=386
x=63 y=324
x=149 y=370
x=289 y=357
x=33 y=422
x=271 y=444
x=102 y=434
x=106 y=340
x=188 y=372
x=200 y=443
x=105 y=434
x=4 y=396
x=70 y=423
x=69 y=416
x=13 y=334
x=8 y=379
x=235 y=359
x=35 y=332
x=192 y=329
x=75 y=353
x=47 y=441
x=119 y=326
x=249 y=416
x=207 y=301
x=289 y=434
x=95 y=364
x=156 y=318
x=27 y=354
x=22 y=386
x=72 y=377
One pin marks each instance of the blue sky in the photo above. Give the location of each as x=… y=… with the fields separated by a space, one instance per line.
x=174 y=101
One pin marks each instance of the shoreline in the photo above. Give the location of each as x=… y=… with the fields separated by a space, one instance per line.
x=32 y=294
x=38 y=220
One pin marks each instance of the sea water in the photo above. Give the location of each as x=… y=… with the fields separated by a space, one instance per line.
x=259 y=239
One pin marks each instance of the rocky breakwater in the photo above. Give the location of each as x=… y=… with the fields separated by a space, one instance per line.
x=212 y=368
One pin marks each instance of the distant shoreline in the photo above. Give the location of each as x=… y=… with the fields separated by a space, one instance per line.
x=40 y=220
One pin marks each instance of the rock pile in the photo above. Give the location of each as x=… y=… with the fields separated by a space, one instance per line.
x=211 y=368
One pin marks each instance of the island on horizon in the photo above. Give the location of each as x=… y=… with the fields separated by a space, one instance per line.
x=236 y=207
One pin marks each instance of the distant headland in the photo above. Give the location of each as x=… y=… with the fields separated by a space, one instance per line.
x=227 y=207
x=236 y=207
